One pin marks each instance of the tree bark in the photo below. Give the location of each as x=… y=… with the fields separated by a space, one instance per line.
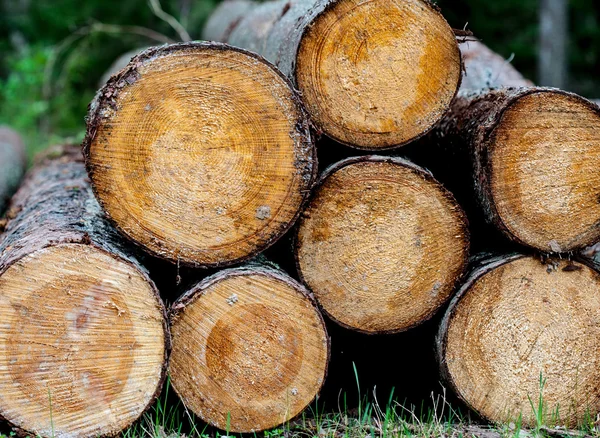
x=528 y=155
x=381 y=244
x=373 y=75
x=12 y=164
x=84 y=329
x=516 y=333
x=200 y=152
x=260 y=358
x=119 y=64
x=553 y=39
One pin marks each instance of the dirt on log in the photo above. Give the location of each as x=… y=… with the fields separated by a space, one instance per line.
x=381 y=244
x=258 y=360
x=12 y=164
x=373 y=75
x=83 y=338
x=523 y=329
x=529 y=156
x=200 y=152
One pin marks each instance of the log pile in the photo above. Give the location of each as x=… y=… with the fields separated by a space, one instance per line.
x=203 y=155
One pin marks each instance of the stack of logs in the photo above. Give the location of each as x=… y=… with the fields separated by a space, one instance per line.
x=204 y=155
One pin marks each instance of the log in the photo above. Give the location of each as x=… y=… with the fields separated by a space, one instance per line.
x=373 y=75
x=83 y=333
x=381 y=244
x=12 y=164
x=258 y=360
x=528 y=155
x=521 y=328
x=200 y=152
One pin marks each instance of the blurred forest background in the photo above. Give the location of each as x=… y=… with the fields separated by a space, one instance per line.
x=54 y=52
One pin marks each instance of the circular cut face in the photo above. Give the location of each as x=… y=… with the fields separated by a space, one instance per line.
x=82 y=343
x=522 y=322
x=249 y=352
x=381 y=246
x=378 y=73
x=545 y=177
x=201 y=157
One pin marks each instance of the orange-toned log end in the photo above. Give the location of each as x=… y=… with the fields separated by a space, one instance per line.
x=520 y=329
x=381 y=244
x=544 y=156
x=250 y=349
x=377 y=74
x=82 y=343
x=200 y=152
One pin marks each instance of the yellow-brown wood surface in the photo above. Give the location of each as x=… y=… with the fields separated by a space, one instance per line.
x=82 y=343
x=250 y=349
x=520 y=321
x=381 y=244
x=380 y=73
x=544 y=156
x=200 y=153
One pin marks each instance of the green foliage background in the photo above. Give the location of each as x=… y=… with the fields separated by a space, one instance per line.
x=49 y=105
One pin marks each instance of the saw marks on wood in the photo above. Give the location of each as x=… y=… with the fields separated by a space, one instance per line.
x=378 y=73
x=82 y=343
x=201 y=154
x=248 y=345
x=521 y=320
x=381 y=244
x=545 y=182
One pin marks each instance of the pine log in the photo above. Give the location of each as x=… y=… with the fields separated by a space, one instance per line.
x=521 y=328
x=83 y=333
x=528 y=155
x=381 y=244
x=373 y=75
x=12 y=164
x=260 y=357
x=200 y=152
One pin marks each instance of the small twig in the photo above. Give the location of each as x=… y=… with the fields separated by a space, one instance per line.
x=169 y=19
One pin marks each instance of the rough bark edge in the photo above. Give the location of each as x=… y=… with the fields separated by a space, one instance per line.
x=293 y=74
x=129 y=75
x=428 y=177
x=73 y=153
x=481 y=267
x=264 y=268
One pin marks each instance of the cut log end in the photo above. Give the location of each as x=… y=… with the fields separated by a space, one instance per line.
x=200 y=152
x=381 y=244
x=521 y=321
x=544 y=159
x=82 y=352
x=378 y=74
x=259 y=359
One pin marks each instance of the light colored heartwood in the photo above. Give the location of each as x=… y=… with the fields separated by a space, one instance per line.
x=522 y=320
x=198 y=160
x=250 y=347
x=378 y=73
x=381 y=246
x=81 y=342
x=545 y=156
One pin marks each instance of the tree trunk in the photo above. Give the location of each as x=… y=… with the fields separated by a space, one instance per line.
x=528 y=155
x=200 y=152
x=553 y=39
x=83 y=339
x=258 y=360
x=373 y=75
x=12 y=164
x=381 y=245
x=521 y=330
